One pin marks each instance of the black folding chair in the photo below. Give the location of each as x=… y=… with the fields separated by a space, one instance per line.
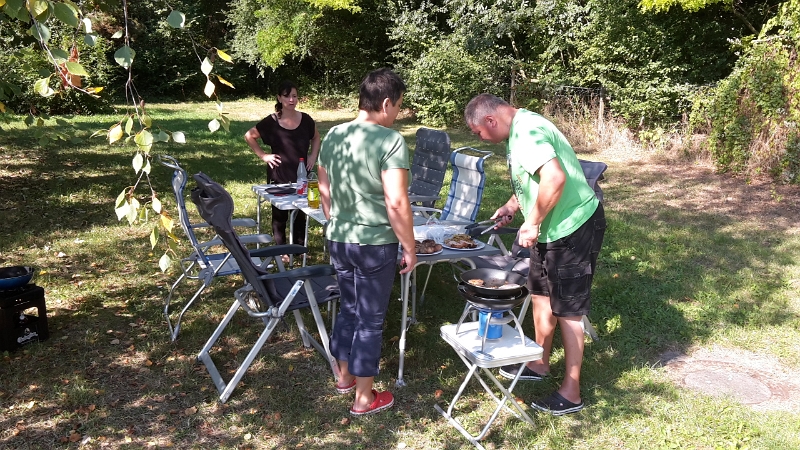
x=265 y=296
x=428 y=166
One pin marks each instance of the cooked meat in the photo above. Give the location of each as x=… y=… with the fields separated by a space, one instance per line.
x=476 y=282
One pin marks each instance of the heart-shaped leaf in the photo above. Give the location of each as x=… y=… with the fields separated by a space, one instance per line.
x=138 y=161
x=154 y=237
x=67 y=14
x=213 y=125
x=115 y=134
x=225 y=82
x=209 y=89
x=40 y=32
x=60 y=56
x=164 y=262
x=224 y=56
x=179 y=137
x=42 y=87
x=206 y=66
x=124 y=56
x=76 y=69
x=176 y=19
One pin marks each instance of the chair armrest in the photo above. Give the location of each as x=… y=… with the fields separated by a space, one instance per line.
x=244 y=222
x=425 y=210
x=255 y=239
x=422 y=198
x=276 y=250
x=319 y=270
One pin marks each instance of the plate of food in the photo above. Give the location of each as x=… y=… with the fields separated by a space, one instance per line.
x=428 y=247
x=462 y=241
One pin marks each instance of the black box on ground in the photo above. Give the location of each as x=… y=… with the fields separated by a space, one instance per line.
x=18 y=329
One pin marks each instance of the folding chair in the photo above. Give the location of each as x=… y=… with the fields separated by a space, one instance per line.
x=466 y=188
x=267 y=297
x=201 y=264
x=428 y=166
x=517 y=259
x=464 y=197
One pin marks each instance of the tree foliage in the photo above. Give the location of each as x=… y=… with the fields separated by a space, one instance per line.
x=752 y=116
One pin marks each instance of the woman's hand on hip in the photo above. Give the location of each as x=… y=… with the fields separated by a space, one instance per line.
x=272 y=160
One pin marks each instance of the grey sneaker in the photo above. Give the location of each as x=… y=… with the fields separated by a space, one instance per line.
x=511 y=370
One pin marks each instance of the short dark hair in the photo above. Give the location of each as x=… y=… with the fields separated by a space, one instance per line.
x=481 y=106
x=378 y=85
x=285 y=88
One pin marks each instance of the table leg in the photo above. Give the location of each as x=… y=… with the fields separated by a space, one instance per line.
x=292 y=215
x=405 y=281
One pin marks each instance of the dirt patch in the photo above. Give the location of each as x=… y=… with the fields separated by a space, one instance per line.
x=758 y=381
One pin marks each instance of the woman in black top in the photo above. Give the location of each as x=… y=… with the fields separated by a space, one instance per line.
x=289 y=133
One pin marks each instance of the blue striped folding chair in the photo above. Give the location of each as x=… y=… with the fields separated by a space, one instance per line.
x=466 y=188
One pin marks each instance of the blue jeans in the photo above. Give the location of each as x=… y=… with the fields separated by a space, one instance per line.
x=365 y=274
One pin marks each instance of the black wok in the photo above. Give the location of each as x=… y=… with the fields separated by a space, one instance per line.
x=494 y=281
x=15 y=276
x=493 y=304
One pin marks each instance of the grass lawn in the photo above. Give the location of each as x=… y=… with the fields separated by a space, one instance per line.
x=691 y=260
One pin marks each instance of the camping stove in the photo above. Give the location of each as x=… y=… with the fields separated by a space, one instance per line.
x=492 y=318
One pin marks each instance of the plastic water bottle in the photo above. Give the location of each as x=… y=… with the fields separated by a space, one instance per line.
x=302 y=177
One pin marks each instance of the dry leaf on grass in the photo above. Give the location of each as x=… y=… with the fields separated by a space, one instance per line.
x=190 y=411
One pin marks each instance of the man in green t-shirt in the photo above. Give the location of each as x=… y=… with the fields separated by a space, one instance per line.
x=564 y=228
x=363 y=186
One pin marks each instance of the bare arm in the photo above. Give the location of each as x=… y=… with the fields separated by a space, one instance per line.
x=324 y=192
x=398 y=208
x=251 y=137
x=314 y=153
x=551 y=185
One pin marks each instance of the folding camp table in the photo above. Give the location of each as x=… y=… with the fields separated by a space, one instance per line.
x=510 y=348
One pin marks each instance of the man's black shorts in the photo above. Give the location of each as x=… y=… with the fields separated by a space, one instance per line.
x=563 y=269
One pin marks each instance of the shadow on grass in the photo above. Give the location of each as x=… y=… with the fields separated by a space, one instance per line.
x=671 y=274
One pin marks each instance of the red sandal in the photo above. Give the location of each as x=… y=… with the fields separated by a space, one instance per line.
x=383 y=400
x=346 y=389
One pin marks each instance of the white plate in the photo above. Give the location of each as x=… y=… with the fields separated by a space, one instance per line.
x=429 y=254
x=479 y=245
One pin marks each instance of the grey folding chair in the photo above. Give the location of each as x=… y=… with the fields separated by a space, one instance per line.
x=267 y=297
x=204 y=263
x=517 y=259
x=428 y=166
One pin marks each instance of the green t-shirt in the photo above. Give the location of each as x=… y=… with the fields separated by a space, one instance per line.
x=354 y=155
x=533 y=141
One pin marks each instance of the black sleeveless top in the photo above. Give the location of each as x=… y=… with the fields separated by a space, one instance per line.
x=291 y=145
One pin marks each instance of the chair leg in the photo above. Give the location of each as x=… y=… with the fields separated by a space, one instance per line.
x=168 y=300
x=274 y=314
x=177 y=327
x=324 y=346
x=301 y=326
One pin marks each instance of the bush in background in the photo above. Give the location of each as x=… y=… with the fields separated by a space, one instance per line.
x=752 y=116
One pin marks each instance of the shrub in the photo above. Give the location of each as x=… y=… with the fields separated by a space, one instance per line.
x=446 y=76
